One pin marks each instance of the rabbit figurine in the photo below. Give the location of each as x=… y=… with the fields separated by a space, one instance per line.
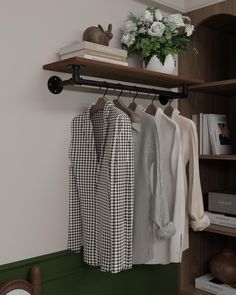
x=98 y=35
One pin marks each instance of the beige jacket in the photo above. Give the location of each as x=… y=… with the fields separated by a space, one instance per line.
x=192 y=186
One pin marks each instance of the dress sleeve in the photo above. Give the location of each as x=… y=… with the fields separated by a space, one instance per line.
x=122 y=196
x=164 y=228
x=75 y=222
x=199 y=220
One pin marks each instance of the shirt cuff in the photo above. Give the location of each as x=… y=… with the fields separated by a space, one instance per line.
x=166 y=232
x=200 y=224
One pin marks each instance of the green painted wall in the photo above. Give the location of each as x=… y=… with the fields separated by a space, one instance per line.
x=65 y=273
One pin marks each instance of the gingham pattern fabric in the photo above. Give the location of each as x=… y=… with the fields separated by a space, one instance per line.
x=102 y=188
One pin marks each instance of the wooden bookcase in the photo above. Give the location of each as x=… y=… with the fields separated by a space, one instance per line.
x=215 y=40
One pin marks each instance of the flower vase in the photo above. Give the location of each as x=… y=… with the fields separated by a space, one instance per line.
x=156 y=65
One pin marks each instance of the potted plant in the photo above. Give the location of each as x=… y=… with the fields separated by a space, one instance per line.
x=157 y=38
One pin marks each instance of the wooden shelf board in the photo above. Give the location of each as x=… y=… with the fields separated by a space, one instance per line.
x=224 y=87
x=218 y=157
x=104 y=70
x=222 y=230
x=190 y=290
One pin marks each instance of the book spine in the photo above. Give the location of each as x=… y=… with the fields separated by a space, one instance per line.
x=206 y=149
x=98 y=58
x=92 y=46
x=200 y=132
x=95 y=53
x=211 y=133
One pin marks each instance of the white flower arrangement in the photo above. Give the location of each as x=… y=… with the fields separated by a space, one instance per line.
x=154 y=34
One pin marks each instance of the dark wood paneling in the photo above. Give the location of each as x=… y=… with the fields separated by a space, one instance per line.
x=215 y=39
x=203 y=246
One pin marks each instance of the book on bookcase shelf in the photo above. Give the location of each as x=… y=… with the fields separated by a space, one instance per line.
x=221 y=219
x=213 y=134
x=92 y=46
x=206 y=144
x=219 y=134
x=94 y=57
x=210 y=284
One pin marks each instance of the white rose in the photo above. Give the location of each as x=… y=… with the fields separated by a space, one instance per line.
x=128 y=39
x=158 y=15
x=186 y=18
x=157 y=29
x=147 y=16
x=175 y=18
x=129 y=26
x=142 y=31
x=189 y=30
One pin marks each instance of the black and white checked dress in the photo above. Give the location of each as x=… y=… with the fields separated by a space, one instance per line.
x=102 y=188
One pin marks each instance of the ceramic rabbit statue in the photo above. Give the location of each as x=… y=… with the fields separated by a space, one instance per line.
x=98 y=35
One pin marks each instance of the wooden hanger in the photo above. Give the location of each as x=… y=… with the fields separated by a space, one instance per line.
x=169 y=109
x=132 y=106
x=100 y=104
x=134 y=117
x=151 y=109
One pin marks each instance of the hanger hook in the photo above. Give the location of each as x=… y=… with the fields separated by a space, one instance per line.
x=106 y=89
x=154 y=96
x=136 y=94
x=121 y=86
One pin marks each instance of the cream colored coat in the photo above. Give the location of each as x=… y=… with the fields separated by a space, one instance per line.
x=192 y=186
x=184 y=197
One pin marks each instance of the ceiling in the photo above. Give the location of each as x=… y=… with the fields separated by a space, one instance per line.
x=186 y=5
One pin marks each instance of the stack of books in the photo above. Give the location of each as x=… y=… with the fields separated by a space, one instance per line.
x=210 y=284
x=94 y=51
x=221 y=219
x=213 y=134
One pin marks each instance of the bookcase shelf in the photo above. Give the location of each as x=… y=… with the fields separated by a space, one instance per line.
x=224 y=87
x=222 y=230
x=218 y=157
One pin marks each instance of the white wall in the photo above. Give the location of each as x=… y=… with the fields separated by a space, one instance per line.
x=34 y=124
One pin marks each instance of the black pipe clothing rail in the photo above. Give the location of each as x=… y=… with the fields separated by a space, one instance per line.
x=56 y=85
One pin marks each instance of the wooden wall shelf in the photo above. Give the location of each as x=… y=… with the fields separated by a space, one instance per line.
x=104 y=70
x=224 y=87
x=222 y=230
x=218 y=157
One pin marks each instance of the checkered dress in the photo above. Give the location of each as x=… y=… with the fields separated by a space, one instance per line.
x=102 y=188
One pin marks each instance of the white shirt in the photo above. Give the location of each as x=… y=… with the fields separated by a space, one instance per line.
x=192 y=187
x=172 y=185
x=151 y=216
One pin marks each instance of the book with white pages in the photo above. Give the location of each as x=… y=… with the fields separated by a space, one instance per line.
x=98 y=58
x=210 y=284
x=95 y=53
x=206 y=145
x=221 y=219
x=92 y=46
x=219 y=134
